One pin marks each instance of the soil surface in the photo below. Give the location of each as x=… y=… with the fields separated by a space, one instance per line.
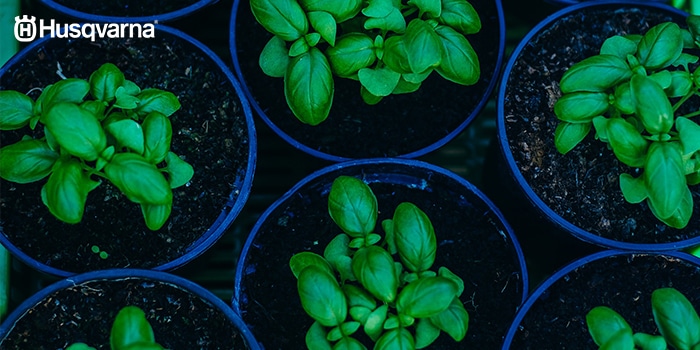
x=557 y=320
x=583 y=185
x=398 y=125
x=85 y=313
x=209 y=132
x=471 y=242
x=126 y=8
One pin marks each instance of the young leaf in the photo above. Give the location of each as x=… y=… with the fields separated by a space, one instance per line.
x=316 y=338
x=26 y=161
x=324 y=23
x=405 y=87
x=426 y=333
x=308 y=87
x=283 y=18
x=321 y=296
x=157 y=135
x=633 y=189
x=459 y=62
x=581 y=107
x=652 y=105
x=80 y=346
x=96 y=108
x=124 y=99
x=337 y=253
x=155 y=100
x=127 y=133
x=138 y=179
x=374 y=325
x=179 y=171
x=368 y=97
x=374 y=269
x=274 y=58
x=15 y=110
x=360 y=313
x=619 y=46
x=603 y=323
x=341 y=10
x=299 y=47
x=76 y=130
x=393 y=21
x=345 y=329
x=595 y=74
x=461 y=16
x=663 y=78
x=445 y=272
x=623 y=99
x=298 y=262
x=396 y=339
x=130 y=327
x=155 y=215
x=65 y=193
x=359 y=297
x=677 y=319
x=348 y=343
x=379 y=81
x=395 y=55
x=664 y=177
x=352 y=52
x=423 y=46
x=568 y=135
x=70 y=90
x=660 y=46
x=380 y=8
x=681 y=83
x=689 y=133
x=649 y=342
x=453 y=321
x=629 y=146
x=352 y=206
x=426 y=297
x=432 y=8
x=681 y=215
x=415 y=237
x=105 y=81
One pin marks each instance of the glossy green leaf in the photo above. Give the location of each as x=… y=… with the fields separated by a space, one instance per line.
x=379 y=81
x=26 y=161
x=431 y=8
x=660 y=46
x=453 y=321
x=274 y=58
x=316 y=338
x=595 y=74
x=603 y=323
x=681 y=84
x=676 y=318
x=379 y=8
x=664 y=177
x=352 y=52
x=356 y=243
x=16 y=110
x=628 y=144
x=129 y=327
x=342 y=10
x=685 y=60
x=96 y=108
x=388 y=227
x=581 y=107
x=374 y=326
x=360 y=313
x=415 y=237
x=633 y=189
x=104 y=158
x=76 y=130
x=65 y=193
x=622 y=340
x=689 y=133
x=352 y=206
x=125 y=100
x=130 y=87
x=619 y=46
x=105 y=81
x=155 y=100
x=405 y=87
x=396 y=339
x=138 y=179
x=681 y=215
x=693 y=23
x=652 y=106
x=337 y=253
x=79 y=346
x=348 y=343
x=368 y=98
x=179 y=171
x=283 y=18
x=345 y=329
x=155 y=215
x=157 y=135
x=324 y=23
x=393 y=21
x=128 y=133
x=663 y=78
x=298 y=262
x=395 y=55
x=426 y=333
x=459 y=62
x=359 y=297
x=426 y=297
x=445 y=272
x=423 y=46
x=70 y=90
x=623 y=99
x=308 y=86
x=321 y=296
x=568 y=135
x=649 y=342
x=374 y=269
x=461 y=16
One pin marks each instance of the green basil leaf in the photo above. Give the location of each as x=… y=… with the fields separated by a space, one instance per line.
x=681 y=216
x=693 y=22
x=384 y=15
x=359 y=297
x=649 y=342
x=352 y=206
x=127 y=133
x=388 y=227
x=595 y=74
x=76 y=130
x=368 y=97
x=392 y=322
x=568 y=135
x=321 y=296
x=380 y=8
x=105 y=81
x=633 y=189
x=663 y=78
x=652 y=105
x=130 y=327
x=179 y=171
x=157 y=135
x=308 y=87
x=316 y=338
x=453 y=321
x=360 y=313
x=324 y=23
x=348 y=343
x=374 y=325
x=460 y=15
x=677 y=319
x=432 y=8
x=459 y=62
x=405 y=87
x=342 y=10
x=426 y=297
x=621 y=340
x=664 y=177
x=379 y=81
x=681 y=84
x=130 y=87
x=26 y=161
x=138 y=179
x=125 y=100
x=337 y=253
x=357 y=243
x=155 y=215
x=16 y=109
x=283 y=18
x=79 y=346
x=396 y=339
x=426 y=333
x=96 y=108
x=298 y=262
x=423 y=46
x=274 y=58
x=65 y=193
x=374 y=269
x=603 y=323
x=155 y=100
x=351 y=53
x=415 y=237
x=395 y=55
x=623 y=99
x=581 y=107
x=689 y=133
x=345 y=329
x=660 y=46
x=628 y=144
x=445 y=272
x=618 y=46
x=70 y=90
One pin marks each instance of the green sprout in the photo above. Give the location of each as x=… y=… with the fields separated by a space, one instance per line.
x=631 y=94
x=121 y=134
x=390 y=46
x=130 y=331
x=675 y=317
x=357 y=283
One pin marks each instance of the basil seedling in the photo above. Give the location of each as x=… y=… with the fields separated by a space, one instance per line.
x=130 y=331
x=675 y=317
x=102 y=128
x=389 y=46
x=387 y=288
x=630 y=94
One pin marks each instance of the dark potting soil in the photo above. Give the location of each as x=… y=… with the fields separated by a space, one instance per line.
x=471 y=242
x=85 y=313
x=557 y=320
x=126 y=8
x=583 y=185
x=398 y=125
x=209 y=132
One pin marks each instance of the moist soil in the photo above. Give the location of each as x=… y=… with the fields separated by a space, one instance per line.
x=398 y=125
x=471 y=242
x=557 y=320
x=583 y=185
x=85 y=313
x=126 y=8
x=209 y=132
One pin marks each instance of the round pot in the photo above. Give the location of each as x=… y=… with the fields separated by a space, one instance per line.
x=407 y=125
x=183 y=315
x=554 y=315
x=127 y=11
x=549 y=196
x=474 y=242
x=213 y=131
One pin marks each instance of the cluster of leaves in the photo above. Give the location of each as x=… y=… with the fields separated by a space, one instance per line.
x=122 y=134
x=675 y=317
x=359 y=277
x=390 y=46
x=130 y=331
x=631 y=94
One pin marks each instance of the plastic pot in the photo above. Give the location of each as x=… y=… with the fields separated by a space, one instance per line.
x=88 y=16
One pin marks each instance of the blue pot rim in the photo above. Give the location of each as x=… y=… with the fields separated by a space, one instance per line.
x=574 y=2
x=399 y=162
x=156 y=18
x=230 y=209
x=515 y=172
x=535 y=295
x=119 y=274
x=335 y=158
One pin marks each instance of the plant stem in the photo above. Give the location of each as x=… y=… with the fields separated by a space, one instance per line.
x=683 y=99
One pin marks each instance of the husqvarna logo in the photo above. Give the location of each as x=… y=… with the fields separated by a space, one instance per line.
x=25 y=28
